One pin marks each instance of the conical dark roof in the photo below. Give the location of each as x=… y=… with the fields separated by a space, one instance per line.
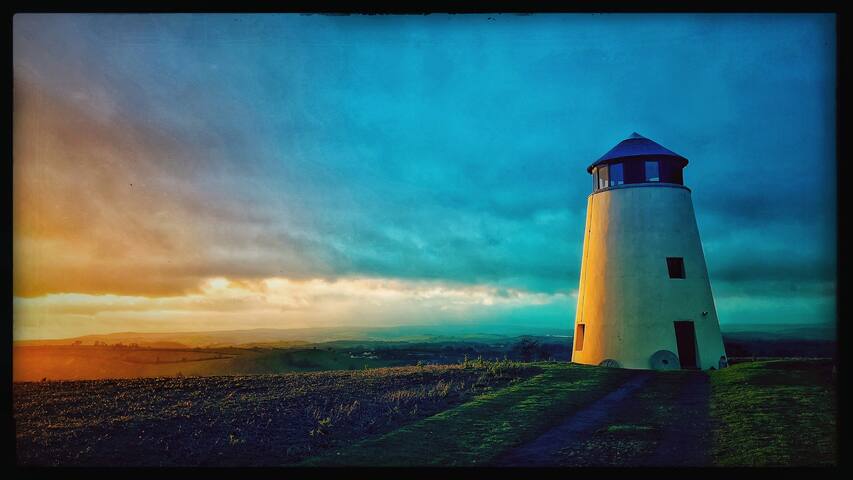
x=634 y=146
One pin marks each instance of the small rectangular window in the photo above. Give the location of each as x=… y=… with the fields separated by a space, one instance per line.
x=675 y=265
x=616 y=176
x=594 y=179
x=652 y=171
x=603 y=177
x=579 y=337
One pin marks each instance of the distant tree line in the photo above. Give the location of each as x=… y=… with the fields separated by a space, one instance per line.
x=99 y=343
x=529 y=350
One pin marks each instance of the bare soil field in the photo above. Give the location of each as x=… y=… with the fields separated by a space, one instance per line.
x=236 y=420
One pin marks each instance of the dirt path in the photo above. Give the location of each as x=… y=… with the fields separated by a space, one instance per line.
x=685 y=441
x=653 y=419
x=545 y=450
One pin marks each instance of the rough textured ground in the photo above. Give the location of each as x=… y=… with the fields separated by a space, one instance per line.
x=686 y=432
x=780 y=413
x=549 y=448
x=220 y=421
x=478 y=432
x=662 y=423
x=755 y=413
x=775 y=413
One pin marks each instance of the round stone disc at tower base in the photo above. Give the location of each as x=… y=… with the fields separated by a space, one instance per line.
x=609 y=363
x=664 y=360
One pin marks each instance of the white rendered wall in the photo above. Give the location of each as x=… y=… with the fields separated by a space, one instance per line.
x=626 y=299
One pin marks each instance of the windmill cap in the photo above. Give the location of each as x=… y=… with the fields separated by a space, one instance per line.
x=636 y=145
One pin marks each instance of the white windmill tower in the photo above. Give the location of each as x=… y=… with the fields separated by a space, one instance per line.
x=644 y=300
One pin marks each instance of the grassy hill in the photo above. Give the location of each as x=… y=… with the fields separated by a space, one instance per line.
x=767 y=413
x=779 y=412
x=775 y=413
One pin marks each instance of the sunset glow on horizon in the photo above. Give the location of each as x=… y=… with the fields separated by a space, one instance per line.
x=222 y=304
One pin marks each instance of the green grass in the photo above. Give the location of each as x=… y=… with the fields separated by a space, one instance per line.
x=478 y=431
x=763 y=413
x=302 y=360
x=774 y=413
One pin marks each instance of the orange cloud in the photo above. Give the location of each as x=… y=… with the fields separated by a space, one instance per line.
x=105 y=205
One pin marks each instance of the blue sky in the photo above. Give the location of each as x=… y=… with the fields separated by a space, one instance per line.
x=439 y=153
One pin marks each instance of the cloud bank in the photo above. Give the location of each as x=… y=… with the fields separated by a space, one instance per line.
x=154 y=154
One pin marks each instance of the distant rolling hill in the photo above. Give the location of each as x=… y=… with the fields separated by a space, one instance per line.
x=274 y=337
x=213 y=339
x=288 y=337
x=242 y=352
x=819 y=331
x=112 y=358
